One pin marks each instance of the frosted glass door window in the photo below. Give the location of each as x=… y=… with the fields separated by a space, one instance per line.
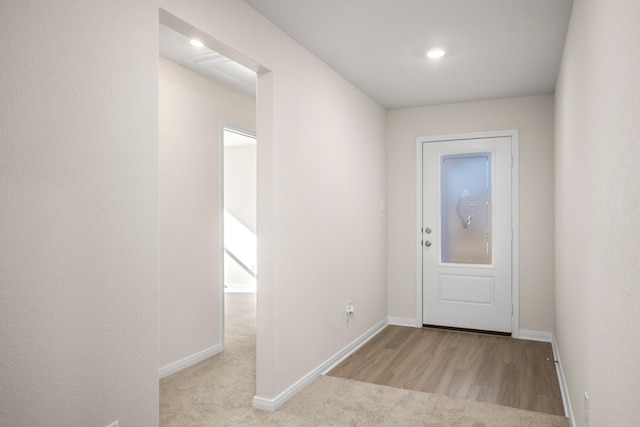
x=466 y=208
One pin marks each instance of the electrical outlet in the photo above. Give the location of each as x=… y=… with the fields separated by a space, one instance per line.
x=348 y=311
x=586 y=409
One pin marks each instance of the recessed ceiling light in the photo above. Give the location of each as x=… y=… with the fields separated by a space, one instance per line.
x=435 y=53
x=196 y=43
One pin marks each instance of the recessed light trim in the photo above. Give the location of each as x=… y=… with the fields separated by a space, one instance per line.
x=196 y=43
x=436 y=53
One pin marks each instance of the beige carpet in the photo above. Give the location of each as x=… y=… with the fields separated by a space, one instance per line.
x=219 y=391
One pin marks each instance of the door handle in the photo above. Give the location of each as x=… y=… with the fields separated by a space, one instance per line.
x=427 y=243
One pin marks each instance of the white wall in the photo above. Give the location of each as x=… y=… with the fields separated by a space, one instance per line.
x=78 y=213
x=240 y=183
x=321 y=176
x=191 y=111
x=533 y=116
x=597 y=197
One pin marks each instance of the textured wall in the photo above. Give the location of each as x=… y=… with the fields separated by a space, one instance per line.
x=597 y=194
x=533 y=116
x=192 y=109
x=78 y=213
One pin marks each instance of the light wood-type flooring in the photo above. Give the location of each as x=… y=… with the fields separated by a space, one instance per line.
x=487 y=368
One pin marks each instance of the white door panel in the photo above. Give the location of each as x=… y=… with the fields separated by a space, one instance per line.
x=466 y=232
x=455 y=288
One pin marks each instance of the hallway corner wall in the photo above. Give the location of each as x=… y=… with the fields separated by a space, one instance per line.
x=597 y=194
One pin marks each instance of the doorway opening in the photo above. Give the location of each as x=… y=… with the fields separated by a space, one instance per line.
x=240 y=179
x=201 y=91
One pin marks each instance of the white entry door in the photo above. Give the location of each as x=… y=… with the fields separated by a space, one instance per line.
x=467 y=233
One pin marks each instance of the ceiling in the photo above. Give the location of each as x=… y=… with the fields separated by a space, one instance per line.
x=177 y=47
x=495 y=48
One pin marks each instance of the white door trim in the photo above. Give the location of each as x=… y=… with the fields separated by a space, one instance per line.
x=515 y=214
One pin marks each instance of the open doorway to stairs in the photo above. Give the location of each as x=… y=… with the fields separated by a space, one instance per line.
x=240 y=244
x=202 y=92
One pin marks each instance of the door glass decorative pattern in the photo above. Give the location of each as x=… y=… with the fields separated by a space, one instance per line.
x=466 y=208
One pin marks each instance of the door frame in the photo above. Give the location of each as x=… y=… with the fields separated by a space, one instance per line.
x=515 y=216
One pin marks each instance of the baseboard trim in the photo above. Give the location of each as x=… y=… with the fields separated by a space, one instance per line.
x=404 y=321
x=271 y=405
x=337 y=358
x=535 y=336
x=564 y=390
x=551 y=338
x=189 y=361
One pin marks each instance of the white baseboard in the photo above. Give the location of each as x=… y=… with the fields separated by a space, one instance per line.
x=535 y=336
x=189 y=361
x=271 y=405
x=404 y=321
x=549 y=337
x=568 y=411
x=351 y=348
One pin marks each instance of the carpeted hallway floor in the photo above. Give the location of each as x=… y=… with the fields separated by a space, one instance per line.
x=219 y=392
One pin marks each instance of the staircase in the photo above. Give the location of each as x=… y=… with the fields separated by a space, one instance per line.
x=240 y=256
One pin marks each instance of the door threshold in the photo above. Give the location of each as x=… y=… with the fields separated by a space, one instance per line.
x=475 y=331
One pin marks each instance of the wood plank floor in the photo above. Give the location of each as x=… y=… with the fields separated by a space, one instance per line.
x=487 y=368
